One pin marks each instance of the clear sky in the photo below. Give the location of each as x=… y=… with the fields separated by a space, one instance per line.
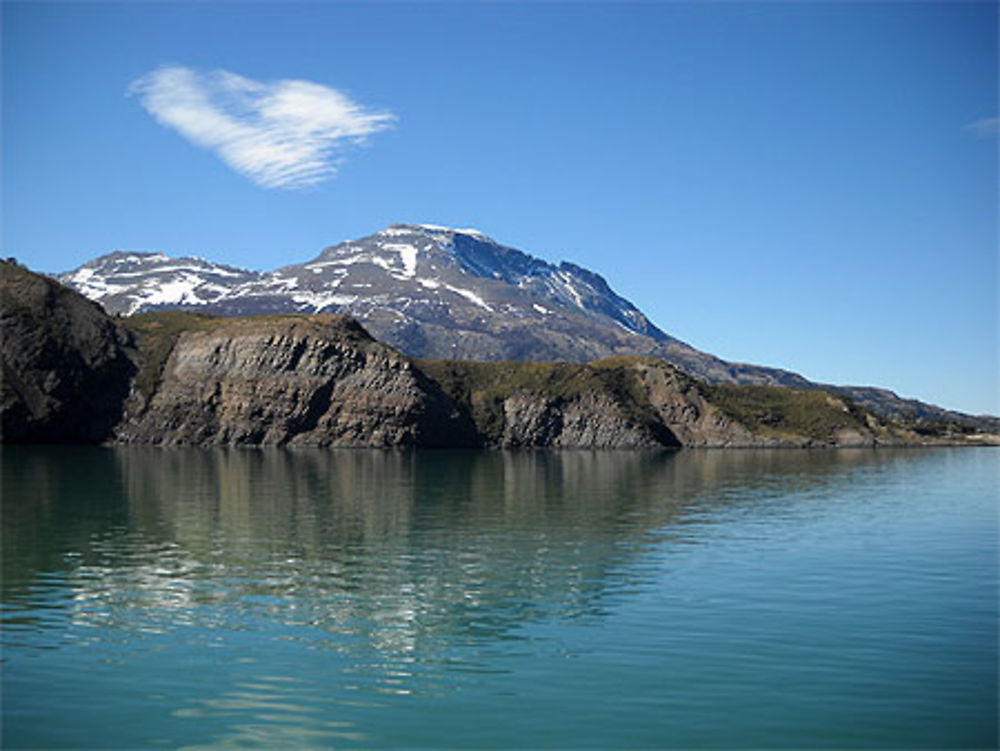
x=802 y=185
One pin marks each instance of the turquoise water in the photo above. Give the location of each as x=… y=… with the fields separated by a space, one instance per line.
x=727 y=599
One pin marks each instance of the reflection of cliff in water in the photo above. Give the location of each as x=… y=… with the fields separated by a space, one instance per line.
x=394 y=548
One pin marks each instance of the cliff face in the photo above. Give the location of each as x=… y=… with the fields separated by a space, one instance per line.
x=72 y=374
x=66 y=366
x=586 y=421
x=298 y=380
x=681 y=405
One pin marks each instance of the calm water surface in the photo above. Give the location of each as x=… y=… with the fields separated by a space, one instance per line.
x=194 y=598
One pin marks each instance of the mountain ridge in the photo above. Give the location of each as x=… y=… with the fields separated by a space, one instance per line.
x=72 y=373
x=436 y=292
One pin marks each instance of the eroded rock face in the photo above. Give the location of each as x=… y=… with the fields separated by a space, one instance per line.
x=311 y=381
x=666 y=409
x=588 y=421
x=686 y=412
x=66 y=366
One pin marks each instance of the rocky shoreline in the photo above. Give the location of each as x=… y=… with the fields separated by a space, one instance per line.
x=73 y=374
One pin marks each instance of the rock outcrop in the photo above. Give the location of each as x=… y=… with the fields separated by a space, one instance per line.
x=66 y=366
x=593 y=420
x=633 y=402
x=681 y=405
x=292 y=380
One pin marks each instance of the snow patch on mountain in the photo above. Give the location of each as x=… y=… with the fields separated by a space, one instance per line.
x=567 y=284
x=470 y=296
x=319 y=301
x=90 y=284
x=451 y=230
x=407 y=255
x=175 y=291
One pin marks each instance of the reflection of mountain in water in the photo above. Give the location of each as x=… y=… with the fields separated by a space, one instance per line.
x=390 y=548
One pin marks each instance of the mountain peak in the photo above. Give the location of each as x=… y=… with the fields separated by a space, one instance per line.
x=130 y=281
x=435 y=229
x=120 y=257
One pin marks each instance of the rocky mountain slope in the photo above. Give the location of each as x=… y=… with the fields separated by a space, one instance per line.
x=436 y=292
x=428 y=291
x=66 y=366
x=73 y=374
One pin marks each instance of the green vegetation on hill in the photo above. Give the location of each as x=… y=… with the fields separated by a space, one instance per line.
x=773 y=413
x=782 y=412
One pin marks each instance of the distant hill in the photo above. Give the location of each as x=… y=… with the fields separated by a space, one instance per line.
x=436 y=292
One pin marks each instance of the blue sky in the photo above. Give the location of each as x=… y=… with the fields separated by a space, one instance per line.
x=808 y=186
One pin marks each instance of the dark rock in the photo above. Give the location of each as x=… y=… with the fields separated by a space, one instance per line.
x=66 y=365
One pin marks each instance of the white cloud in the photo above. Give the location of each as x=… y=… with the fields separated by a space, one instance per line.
x=279 y=134
x=988 y=126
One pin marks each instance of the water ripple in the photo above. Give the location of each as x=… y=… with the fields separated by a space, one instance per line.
x=202 y=599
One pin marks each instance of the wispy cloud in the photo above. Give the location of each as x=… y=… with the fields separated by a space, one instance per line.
x=988 y=126
x=279 y=134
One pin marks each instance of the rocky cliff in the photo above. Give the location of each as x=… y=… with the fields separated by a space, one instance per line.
x=73 y=374
x=287 y=380
x=66 y=366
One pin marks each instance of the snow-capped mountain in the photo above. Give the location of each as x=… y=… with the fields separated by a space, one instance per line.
x=430 y=267
x=433 y=291
x=430 y=291
x=130 y=282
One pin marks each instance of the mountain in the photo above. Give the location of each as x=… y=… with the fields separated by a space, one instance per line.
x=437 y=292
x=428 y=291
x=71 y=373
x=131 y=282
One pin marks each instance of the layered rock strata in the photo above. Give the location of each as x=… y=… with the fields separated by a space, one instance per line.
x=298 y=380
